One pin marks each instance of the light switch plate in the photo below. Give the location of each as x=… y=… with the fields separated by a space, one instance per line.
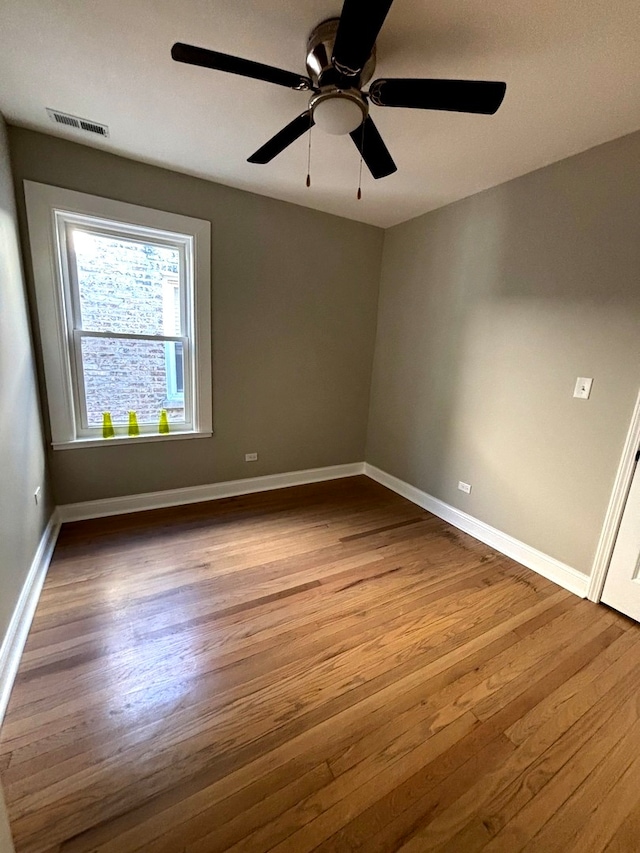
x=583 y=388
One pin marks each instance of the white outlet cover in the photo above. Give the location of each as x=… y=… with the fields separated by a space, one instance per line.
x=464 y=487
x=250 y=457
x=583 y=387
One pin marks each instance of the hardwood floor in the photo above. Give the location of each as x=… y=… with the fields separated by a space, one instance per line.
x=325 y=668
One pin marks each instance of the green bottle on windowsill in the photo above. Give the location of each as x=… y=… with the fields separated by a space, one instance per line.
x=163 y=425
x=134 y=429
x=107 y=426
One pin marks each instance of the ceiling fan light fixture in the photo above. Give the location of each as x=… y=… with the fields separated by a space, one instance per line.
x=338 y=113
x=341 y=59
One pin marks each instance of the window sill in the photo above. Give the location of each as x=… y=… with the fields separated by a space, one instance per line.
x=121 y=440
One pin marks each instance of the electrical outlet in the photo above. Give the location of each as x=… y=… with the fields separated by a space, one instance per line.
x=464 y=487
x=583 y=388
x=250 y=457
x=36 y=496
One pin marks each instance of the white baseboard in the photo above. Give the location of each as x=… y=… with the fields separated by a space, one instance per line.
x=211 y=492
x=16 y=636
x=550 y=568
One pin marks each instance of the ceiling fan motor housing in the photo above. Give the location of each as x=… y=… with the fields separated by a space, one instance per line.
x=339 y=106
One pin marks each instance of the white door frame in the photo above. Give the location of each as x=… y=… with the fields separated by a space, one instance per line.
x=613 y=516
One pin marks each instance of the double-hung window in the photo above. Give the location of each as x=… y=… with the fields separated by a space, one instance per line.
x=123 y=297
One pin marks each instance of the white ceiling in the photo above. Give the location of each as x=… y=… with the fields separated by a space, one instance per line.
x=572 y=70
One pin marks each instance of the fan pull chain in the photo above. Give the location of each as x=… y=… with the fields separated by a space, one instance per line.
x=359 y=194
x=309 y=160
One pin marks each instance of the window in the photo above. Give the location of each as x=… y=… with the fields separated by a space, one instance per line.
x=123 y=298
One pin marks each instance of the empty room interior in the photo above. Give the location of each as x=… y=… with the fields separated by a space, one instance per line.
x=319 y=426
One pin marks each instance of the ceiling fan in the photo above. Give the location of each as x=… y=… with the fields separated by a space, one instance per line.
x=341 y=58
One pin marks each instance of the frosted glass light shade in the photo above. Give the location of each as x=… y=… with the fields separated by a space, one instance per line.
x=338 y=115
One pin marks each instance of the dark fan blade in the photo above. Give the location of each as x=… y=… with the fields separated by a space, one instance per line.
x=235 y=65
x=283 y=138
x=374 y=152
x=462 y=96
x=358 y=30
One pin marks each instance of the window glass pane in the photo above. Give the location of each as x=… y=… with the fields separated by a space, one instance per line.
x=122 y=375
x=179 y=369
x=127 y=286
x=175 y=369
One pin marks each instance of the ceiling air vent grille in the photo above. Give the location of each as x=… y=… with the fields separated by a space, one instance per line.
x=77 y=122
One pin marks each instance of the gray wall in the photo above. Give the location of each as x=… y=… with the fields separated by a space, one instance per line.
x=489 y=310
x=294 y=313
x=22 y=456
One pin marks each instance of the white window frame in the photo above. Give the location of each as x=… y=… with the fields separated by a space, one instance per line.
x=65 y=224
x=50 y=212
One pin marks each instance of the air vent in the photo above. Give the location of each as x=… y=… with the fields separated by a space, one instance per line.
x=77 y=122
